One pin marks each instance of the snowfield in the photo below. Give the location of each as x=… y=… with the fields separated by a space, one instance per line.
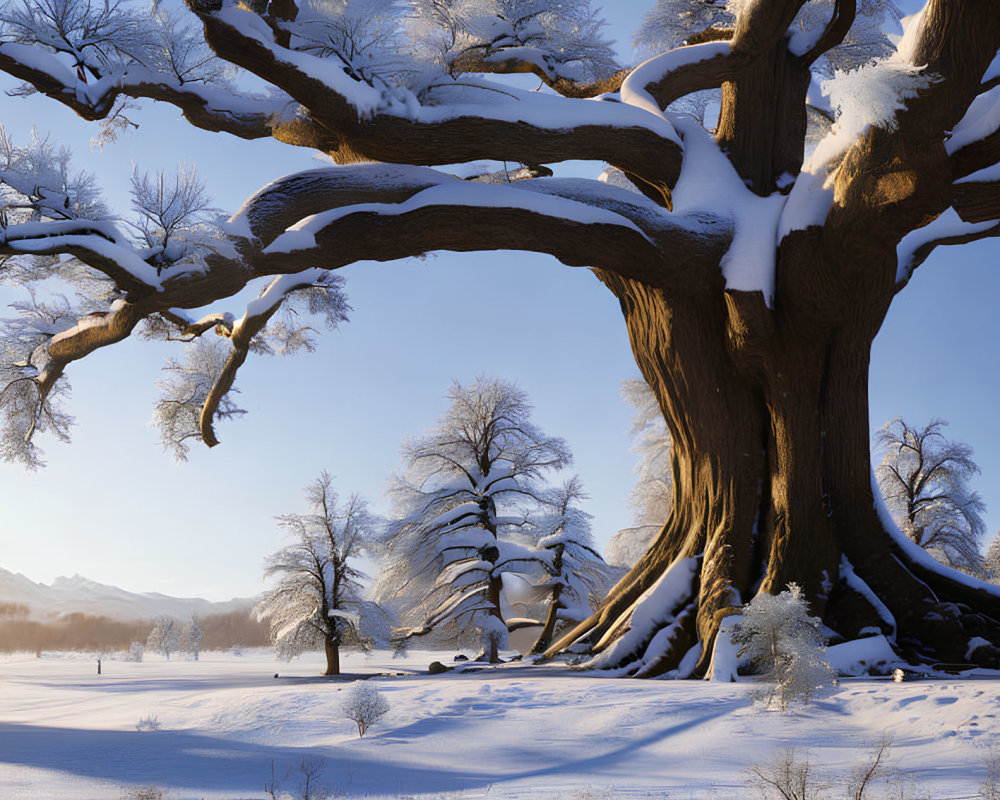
x=518 y=731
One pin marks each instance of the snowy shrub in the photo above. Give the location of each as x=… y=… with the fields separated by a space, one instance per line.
x=590 y=793
x=789 y=776
x=778 y=636
x=989 y=789
x=135 y=652
x=150 y=723
x=143 y=793
x=306 y=774
x=364 y=704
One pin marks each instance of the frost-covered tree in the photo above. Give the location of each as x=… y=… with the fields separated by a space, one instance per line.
x=135 y=652
x=190 y=636
x=364 y=705
x=317 y=602
x=777 y=636
x=991 y=561
x=163 y=639
x=652 y=493
x=754 y=251
x=463 y=490
x=924 y=478
x=575 y=575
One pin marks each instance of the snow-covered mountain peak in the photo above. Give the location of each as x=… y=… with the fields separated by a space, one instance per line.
x=79 y=594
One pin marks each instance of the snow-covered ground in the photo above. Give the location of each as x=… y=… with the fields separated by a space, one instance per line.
x=514 y=732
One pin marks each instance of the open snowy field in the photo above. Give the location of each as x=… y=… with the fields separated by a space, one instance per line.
x=514 y=732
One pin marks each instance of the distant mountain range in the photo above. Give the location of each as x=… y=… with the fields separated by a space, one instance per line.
x=79 y=594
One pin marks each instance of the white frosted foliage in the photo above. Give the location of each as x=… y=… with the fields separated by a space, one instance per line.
x=778 y=636
x=364 y=705
x=870 y=95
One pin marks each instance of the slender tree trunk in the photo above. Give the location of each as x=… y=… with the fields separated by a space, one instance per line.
x=492 y=650
x=332 y=647
x=549 y=627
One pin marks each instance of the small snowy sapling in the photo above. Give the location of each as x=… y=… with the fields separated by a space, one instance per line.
x=189 y=639
x=364 y=704
x=135 y=652
x=778 y=636
x=163 y=639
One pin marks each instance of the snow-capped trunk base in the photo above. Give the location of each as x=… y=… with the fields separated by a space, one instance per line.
x=768 y=413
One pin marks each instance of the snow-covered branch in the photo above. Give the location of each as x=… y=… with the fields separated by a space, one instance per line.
x=661 y=80
x=946 y=229
x=463 y=121
x=204 y=106
x=515 y=60
x=953 y=47
x=566 y=218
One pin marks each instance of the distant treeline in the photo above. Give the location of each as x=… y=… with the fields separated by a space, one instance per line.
x=103 y=634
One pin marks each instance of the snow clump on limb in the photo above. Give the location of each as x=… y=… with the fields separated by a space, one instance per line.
x=778 y=636
x=364 y=704
x=871 y=95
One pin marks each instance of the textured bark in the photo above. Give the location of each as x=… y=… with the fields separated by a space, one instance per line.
x=772 y=477
x=332 y=649
x=549 y=626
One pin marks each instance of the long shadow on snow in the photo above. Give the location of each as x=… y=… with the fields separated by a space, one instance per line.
x=177 y=759
x=591 y=763
x=183 y=760
x=186 y=683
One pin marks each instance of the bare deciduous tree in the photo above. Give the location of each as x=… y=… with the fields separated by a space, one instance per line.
x=317 y=601
x=164 y=637
x=652 y=494
x=753 y=262
x=924 y=479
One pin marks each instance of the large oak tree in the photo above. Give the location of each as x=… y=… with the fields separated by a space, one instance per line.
x=753 y=268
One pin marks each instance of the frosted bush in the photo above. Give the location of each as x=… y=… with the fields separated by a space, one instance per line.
x=135 y=652
x=150 y=723
x=989 y=789
x=143 y=793
x=364 y=704
x=778 y=636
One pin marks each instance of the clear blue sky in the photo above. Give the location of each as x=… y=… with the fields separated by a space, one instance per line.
x=114 y=507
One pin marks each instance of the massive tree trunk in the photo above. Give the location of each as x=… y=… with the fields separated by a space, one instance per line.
x=768 y=413
x=766 y=399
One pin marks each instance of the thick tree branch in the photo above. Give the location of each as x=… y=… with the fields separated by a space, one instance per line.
x=207 y=107
x=257 y=315
x=96 y=243
x=383 y=124
x=977 y=201
x=661 y=80
x=501 y=62
x=762 y=25
x=893 y=182
x=844 y=12
x=91 y=333
x=581 y=223
x=947 y=229
x=974 y=144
